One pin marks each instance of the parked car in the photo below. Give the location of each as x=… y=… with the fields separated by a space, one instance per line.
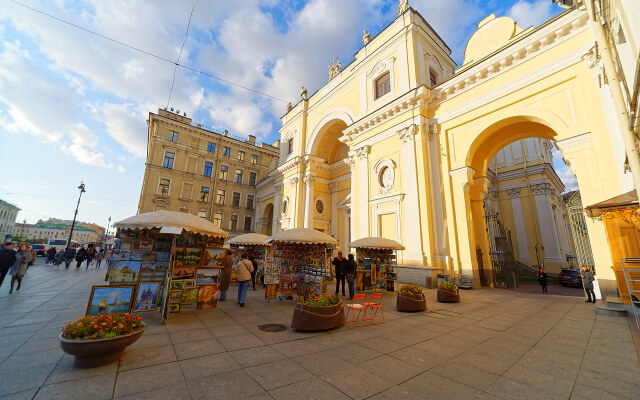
x=40 y=249
x=570 y=277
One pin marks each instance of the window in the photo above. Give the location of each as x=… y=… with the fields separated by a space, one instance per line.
x=233 y=222
x=187 y=189
x=254 y=159
x=202 y=214
x=383 y=85
x=250 y=202
x=240 y=155
x=173 y=136
x=227 y=151
x=204 y=193
x=433 y=78
x=290 y=146
x=211 y=147
x=239 y=173
x=168 y=159
x=191 y=164
x=220 y=197
x=163 y=187
x=207 y=168
x=252 y=178
x=217 y=218
x=224 y=173
x=235 y=201
x=247 y=223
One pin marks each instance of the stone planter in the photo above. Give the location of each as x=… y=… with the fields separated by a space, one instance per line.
x=411 y=302
x=310 y=318
x=448 y=296
x=95 y=353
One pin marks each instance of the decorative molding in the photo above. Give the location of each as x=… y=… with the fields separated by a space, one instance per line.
x=407 y=135
x=309 y=180
x=542 y=188
x=351 y=162
x=592 y=57
x=381 y=167
x=514 y=192
x=294 y=181
x=333 y=187
x=363 y=152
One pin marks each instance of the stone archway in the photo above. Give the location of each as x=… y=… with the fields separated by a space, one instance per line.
x=266 y=220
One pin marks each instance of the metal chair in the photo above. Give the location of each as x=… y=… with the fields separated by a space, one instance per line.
x=374 y=303
x=357 y=303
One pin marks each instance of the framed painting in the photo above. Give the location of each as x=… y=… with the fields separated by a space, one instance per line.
x=213 y=258
x=189 y=296
x=161 y=266
x=176 y=285
x=147 y=266
x=270 y=291
x=174 y=307
x=136 y=255
x=146 y=245
x=110 y=299
x=207 y=276
x=188 y=256
x=175 y=296
x=183 y=273
x=207 y=296
x=120 y=255
x=149 y=256
x=163 y=257
x=120 y=272
x=147 y=296
x=188 y=284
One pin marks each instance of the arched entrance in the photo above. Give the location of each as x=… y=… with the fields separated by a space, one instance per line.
x=266 y=220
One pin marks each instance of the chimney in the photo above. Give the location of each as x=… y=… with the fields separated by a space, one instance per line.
x=251 y=140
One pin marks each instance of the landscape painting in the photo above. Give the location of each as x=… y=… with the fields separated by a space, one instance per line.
x=213 y=258
x=123 y=271
x=163 y=257
x=207 y=276
x=110 y=299
x=183 y=273
x=207 y=296
x=188 y=256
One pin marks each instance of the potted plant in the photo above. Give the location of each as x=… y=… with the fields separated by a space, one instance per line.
x=448 y=292
x=318 y=313
x=411 y=298
x=97 y=340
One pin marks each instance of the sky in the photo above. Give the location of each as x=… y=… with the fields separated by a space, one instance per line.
x=73 y=105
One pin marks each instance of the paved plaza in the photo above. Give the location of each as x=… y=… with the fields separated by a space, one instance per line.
x=495 y=344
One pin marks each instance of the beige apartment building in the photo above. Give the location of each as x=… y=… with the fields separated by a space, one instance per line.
x=41 y=232
x=195 y=170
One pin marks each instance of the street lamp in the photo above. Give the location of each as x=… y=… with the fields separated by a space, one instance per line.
x=73 y=224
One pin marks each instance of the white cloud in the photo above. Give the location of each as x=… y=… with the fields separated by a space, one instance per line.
x=533 y=13
x=121 y=169
x=126 y=124
x=84 y=145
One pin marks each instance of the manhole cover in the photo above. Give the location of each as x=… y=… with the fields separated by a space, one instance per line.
x=273 y=327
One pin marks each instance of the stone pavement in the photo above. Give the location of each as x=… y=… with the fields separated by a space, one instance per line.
x=495 y=344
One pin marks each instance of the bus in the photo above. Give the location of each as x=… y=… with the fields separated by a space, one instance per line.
x=60 y=243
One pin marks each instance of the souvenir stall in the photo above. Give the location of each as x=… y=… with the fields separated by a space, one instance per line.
x=298 y=264
x=167 y=259
x=376 y=258
x=254 y=244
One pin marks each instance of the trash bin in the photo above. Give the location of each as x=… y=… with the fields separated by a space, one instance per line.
x=429 y=284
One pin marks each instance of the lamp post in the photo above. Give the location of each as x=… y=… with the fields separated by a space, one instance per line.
x=73 y=224
x=106 y=232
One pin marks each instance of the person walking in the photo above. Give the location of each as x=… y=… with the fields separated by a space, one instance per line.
x=51 y=255
x=59 y=258
x=542 y=280
x=99 y=258
x=338 y=267
x=19 y=269
x=7 y=259
x=80 y=257
x=243 y=269
x=587 y=284
x=91 y=252
x=255 y=270
x=69 y=255
x=225 y=274
x=350 y=268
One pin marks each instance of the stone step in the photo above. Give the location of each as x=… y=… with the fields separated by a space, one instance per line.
x=614 y=301
x=612 y=311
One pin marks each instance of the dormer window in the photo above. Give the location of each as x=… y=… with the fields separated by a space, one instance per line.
x=433 y=78
x=383 y=85
x=290 y=146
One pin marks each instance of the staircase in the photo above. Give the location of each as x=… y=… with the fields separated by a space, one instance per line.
x=524 y=269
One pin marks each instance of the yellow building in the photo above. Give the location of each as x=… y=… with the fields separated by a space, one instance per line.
x=399 y=142
x=194 y=170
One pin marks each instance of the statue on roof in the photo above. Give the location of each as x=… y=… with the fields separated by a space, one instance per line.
x=366 y=38
x=303 y=93
x=334 y=68
x=289 y=107
x=402 y=7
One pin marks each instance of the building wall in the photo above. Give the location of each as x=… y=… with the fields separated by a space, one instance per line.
x=8 y=215
x=187 y=176
x=43 y=232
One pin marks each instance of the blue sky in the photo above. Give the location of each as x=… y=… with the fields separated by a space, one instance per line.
x=73 y=106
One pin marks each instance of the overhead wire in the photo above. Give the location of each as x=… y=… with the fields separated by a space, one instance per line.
x=192 y=69
x=175 y=69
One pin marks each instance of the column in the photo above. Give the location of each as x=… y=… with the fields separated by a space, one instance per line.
x=276 y=211
x=540 y=192
x=363 y=191
x=333 y=189
x=518 y=219
x=257 y=215
x=309 y=180
x=292 y=202
x=462 y=179
x=436 y=206
x=352 y=220
x=413 y=241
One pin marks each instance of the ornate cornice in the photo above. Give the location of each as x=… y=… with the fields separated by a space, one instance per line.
x=363 y=152
x=514 y=193
x=542 y=188
x=407 y=135
x=309 y=180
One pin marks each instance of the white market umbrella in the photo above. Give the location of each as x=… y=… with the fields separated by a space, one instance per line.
x=172 y=222
x=304 y=236
x=376 y=243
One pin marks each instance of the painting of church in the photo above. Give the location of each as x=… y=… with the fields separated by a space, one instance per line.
x=147 y=296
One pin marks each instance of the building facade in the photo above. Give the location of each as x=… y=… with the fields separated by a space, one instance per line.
x=212 y=175
x=41 y=232
x=399 y=143
x=8 y=215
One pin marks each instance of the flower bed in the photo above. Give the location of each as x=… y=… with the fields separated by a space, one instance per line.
x=319 y=313
x=104 y=326
x=448 y=292
x=411 y=298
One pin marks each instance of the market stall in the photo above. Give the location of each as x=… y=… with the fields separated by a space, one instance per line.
x=254 y=244
x=376 y=258
x=163 y=260
x=298 y=264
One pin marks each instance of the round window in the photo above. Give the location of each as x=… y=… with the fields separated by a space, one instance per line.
x=386 y=177
x=319 y=207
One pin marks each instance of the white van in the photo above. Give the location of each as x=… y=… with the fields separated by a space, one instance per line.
x=60 y=243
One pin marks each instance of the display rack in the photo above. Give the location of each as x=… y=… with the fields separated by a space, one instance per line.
x=377 y=262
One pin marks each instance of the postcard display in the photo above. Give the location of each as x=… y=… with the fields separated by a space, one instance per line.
x=259 y=251
x=301 y=270
x=376 y=269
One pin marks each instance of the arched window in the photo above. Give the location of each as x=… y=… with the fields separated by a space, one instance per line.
x=383 y=85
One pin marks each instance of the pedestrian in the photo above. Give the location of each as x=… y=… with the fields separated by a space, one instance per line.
x=51 y=255
x=80 y=257
x=350 y=268
x=91 y=252
x=34 y=254
x=587 y=284
x=19 y=269
x=225 y=274
x=69 y=255
x=255 y=270
x=59 y=258
x=542 y=280
x=338 y=266
x=7 y=259
x=99 y=258
x=243 y=270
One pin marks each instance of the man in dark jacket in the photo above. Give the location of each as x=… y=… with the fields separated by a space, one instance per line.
x=338 y=266
x=81 y=256
x=51 y=255
x=587 y=284
x=69 y=255
x=7 y=259
x=350 y=268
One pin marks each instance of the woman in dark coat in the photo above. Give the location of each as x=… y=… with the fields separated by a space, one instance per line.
x=542 y=280
x=81 y=256
x=19 y=269
x=225 y=274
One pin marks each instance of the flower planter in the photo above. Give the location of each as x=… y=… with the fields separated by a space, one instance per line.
x=98 y=352
x=411 y=302
x=310 y=318
x=448 y=296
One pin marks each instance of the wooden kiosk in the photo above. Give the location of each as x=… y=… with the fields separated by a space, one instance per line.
x=376 y=258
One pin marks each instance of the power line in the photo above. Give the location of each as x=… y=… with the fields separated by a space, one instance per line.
x=61 y=197
x=186 y=34
x=192 y=69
